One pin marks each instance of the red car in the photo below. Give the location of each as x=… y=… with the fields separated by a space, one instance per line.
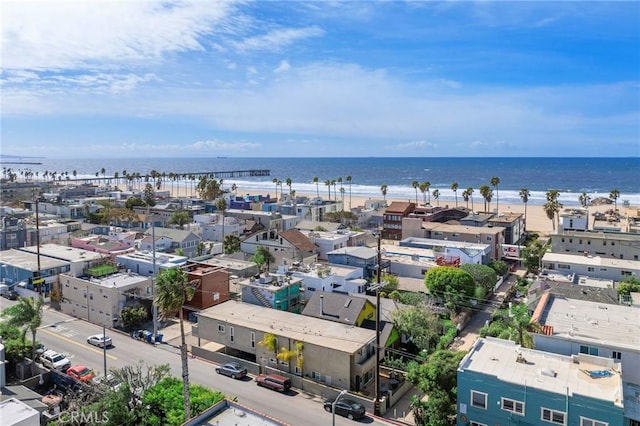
x=80 y=372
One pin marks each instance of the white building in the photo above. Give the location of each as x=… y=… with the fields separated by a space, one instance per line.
x=608 y=268
x=78 y=259
x=14 y=412
x=327 y=241
x=574 y=219
x=329 y=278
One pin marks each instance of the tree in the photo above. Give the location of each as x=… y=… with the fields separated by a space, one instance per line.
x=133 y=316
x=270 y=341
x=263 y=256
x=424 y=189
x=231 y=244
x=454 y=188
x=532 y=255
x=27 y=316
x=438 y=378
x=383 y=190
x=495 y=181
x=133 y=202
x=327 y=182
x=149 y=195
x=180 y=218
x=629 y=285
x=499 y=266
x=521 y=324
x=315 y=180
x=524 y=196
x=614 y=195
x=163 y=402
x=415 y=186
x=419 y=324
x=552 y=206
x=289 y=183
x=172 y=290
x=348 y=179
x=454 y=285
x=222 y=206
x=487 y=194
x=436 y=195
x=483 y=275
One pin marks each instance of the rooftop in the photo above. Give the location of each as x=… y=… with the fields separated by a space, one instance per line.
x=230 y=413
x=161 y=258
x=602 y=324
x=340 y=337
x=70 y=254
x=546 y=371
x=611 y=262
x=13 y=412
x=360 y=252
x=118 y=280
x=29 y=261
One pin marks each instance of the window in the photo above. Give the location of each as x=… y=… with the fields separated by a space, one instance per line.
x=616 y=355
x=316 y=376
x=472 y=423
x=591 y=269
x=513 y=406
x=220 y=328
x=563 y=266
x=584 y=421
x=479 y=399
x=231 y=334
x=297 y=370
x=253 y=339
x=584 y=349
x=552 y=416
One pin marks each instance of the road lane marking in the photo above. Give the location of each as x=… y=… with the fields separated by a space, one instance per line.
x=82 y=345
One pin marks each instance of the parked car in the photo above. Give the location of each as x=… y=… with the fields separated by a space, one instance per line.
x=346 y=408
x=109 y=381
x=274 y=382
x=80 y=372
x=10 y=294
x=232 y=369
x=55 y=361
x=100 y=340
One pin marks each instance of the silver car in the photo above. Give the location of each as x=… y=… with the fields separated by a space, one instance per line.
x=99 y=340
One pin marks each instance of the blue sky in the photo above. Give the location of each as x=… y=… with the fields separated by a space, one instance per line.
x=86 y=79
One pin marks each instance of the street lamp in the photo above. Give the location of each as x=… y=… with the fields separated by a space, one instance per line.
x=333 y=405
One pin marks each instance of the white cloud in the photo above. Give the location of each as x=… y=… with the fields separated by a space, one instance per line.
x=282 y=67
x=416 y=145
x=66 y=34
x=278 y=39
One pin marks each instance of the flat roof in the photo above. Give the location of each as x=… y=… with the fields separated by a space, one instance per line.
x=161 y=258
x=467 y=229
x=227 y=262
x=29 y=261
x=615 y=325
x=361 y=252
x=340 y=337
x=445 y=243
x=70 y=254
x=231 y=413
x=118 y=280
x=13 y=411
x=591 y=260
x=559 y=374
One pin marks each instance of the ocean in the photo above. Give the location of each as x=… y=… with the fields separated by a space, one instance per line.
x=571 y=176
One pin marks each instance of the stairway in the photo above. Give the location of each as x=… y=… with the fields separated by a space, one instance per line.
x=261 y=298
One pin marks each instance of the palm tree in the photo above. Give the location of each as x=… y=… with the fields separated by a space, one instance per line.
x=487 y=194
x=614 y=195
x=383 y=189
x=348 y=180
x=339 y=180
x=289 y=182
x=315 y=180
x=521 y=323
x=26 y=314
x=454 y=188
x=172 y=290
x=524 y=196
x=584 y=202
x=552 y=206
x=465 y=196
x=222 y=206
x=436 y=195
x=495 y=181
x=275 y=181
x=427 y=185
x=335 y=193
x=415 y=186
x=327 y=182
x=424 y=188
x=234 y=188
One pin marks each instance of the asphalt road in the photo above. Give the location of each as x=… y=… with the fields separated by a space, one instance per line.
x=69 y=335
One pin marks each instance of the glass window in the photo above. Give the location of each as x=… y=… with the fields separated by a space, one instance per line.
x=584 y=421
x=513 y=406
x=552 y=416
x=478 y=399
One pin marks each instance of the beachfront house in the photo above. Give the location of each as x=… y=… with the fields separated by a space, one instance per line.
x=323 y=277
x=449 y=252
x=502 y=383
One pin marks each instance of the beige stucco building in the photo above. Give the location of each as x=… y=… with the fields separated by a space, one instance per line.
x=336 y=354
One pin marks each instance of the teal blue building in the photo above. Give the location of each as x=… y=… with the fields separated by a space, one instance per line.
x=501 y=383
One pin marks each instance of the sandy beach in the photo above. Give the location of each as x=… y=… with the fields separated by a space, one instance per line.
x=536 y=219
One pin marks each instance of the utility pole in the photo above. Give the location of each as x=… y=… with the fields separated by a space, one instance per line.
x=376 y=401
x=39 y=280
x=104 y=350
x=154 y=307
